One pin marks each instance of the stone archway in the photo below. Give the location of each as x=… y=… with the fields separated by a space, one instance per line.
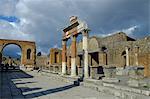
x=25 y=46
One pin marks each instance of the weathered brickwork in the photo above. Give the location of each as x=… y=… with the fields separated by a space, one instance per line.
x=55 y=56
x=42 y=61
x=28 y=50
x=111 y=51
x=55 y=59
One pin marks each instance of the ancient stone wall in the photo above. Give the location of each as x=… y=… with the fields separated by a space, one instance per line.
x=55 y=56
x=42 y=61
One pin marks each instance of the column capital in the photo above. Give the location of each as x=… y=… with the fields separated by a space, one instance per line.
x=64 y=42
x=126 y=47
x=73 y=38
x=85 y=32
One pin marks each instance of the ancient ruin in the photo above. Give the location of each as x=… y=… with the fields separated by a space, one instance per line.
x=28 y=50
x=77 y=27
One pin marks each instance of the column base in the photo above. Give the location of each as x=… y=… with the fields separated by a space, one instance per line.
x=64 y=71
x=73 y=67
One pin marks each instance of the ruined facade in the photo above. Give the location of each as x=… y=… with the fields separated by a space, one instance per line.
x=117 y=50
x=42 y=61
x=28 y=50
x=55 y=56
x=55 y=59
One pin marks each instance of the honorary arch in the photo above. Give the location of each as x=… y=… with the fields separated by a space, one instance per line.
x=28 y=51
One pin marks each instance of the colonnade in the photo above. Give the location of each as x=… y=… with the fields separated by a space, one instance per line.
x=136 y=49
x=72 y=32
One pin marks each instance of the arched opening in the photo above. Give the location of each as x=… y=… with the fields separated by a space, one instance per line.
x=28 y=53
x=123 y=58
x=105 y=51
x=11 y=55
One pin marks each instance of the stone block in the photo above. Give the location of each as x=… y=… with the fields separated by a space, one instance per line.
x=110 y=71
x=136 y=90
x=117 y=87
x=119 y=71
x=117 y=93
x=133 y=83
x=110 y=80
x=135 y=71
x=146 y=92
x=124 y=88
x=108 y=85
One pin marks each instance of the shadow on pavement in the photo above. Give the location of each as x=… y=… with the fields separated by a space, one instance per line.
x=24 y=82
x=26 y=89
x=8 y=89
x=49 y=91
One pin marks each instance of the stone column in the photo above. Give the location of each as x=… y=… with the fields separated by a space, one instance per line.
x=127 y=56
x=85 y=48
x=73 y=56
x=136 y=55
x=64 y=50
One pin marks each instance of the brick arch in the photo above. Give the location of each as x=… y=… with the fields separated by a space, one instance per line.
x=23 y=45
x=11 y=43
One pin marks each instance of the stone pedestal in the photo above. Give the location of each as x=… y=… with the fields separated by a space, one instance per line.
x=120 y=71
x=110 y=73
x=136 y=71
x=136 y=74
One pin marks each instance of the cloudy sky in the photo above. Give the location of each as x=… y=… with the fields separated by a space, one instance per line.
x=43 y=20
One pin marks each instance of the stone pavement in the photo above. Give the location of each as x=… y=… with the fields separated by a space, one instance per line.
x=19 y=85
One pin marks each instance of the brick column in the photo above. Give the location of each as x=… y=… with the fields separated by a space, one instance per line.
x=73 y=56
x=85 y=48
x=127 y=56
x=64 y=51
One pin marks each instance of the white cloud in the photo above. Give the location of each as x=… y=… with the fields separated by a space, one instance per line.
x=19 y=53
x=42 y=20
x=11 y=30
x=129 y=31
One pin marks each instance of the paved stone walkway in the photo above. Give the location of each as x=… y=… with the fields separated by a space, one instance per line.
x=19 y=85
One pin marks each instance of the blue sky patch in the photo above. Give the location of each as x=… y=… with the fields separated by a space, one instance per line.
x=10 y=18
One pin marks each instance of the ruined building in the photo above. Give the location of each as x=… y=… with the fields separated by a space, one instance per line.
x=117 y=50
x=55 y=60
